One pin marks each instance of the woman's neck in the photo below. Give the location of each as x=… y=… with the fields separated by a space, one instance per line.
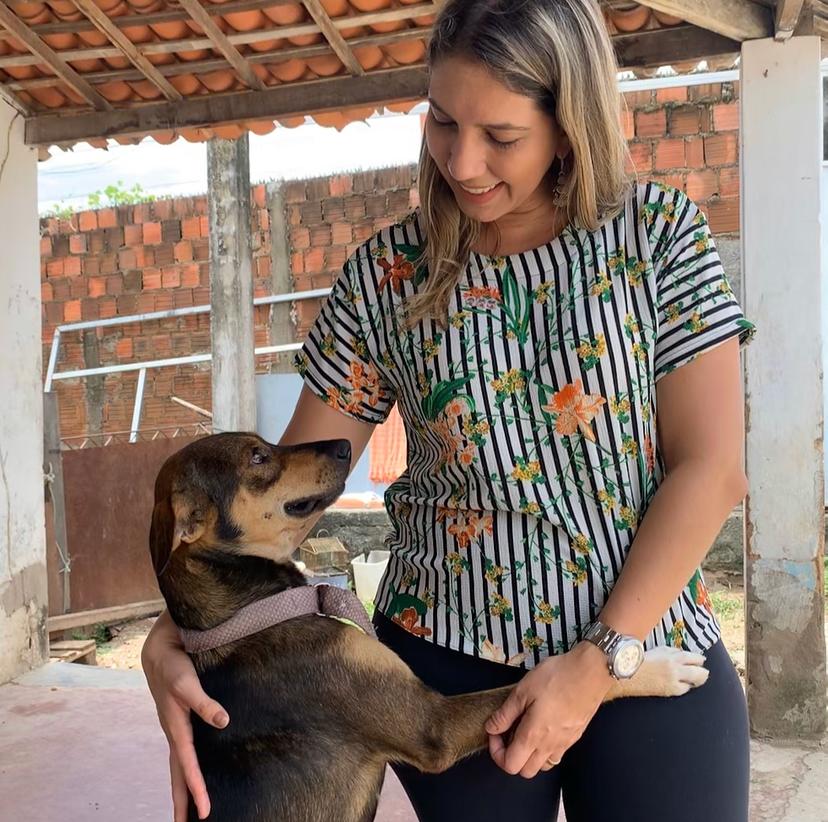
x=521 y=230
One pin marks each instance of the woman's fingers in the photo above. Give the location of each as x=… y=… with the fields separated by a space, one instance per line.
x=187 y=690
x=180 y=734
x=180 y=794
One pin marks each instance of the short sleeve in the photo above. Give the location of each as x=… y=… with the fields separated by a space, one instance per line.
x=696 y=307
x=335 y=360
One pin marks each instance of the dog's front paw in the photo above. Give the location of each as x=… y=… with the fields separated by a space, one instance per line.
x=670 y=672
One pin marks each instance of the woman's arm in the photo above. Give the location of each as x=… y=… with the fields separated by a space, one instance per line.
x=701 y=433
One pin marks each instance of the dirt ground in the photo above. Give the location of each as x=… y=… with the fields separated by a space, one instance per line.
x=123 y=650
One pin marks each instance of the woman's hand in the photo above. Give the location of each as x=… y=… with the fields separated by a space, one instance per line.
x=554 y=703
x=176 y=690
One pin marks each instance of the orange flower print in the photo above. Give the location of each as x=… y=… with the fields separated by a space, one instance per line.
x=401 y=269
x=365 y=380
x=408 y=619
x=575 y=410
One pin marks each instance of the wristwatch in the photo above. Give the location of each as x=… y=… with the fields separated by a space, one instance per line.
x=624 y=653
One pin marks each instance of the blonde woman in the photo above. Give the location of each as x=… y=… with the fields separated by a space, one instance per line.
x=563 y=346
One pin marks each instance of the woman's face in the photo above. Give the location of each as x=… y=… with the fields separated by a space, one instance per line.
x=493 y=146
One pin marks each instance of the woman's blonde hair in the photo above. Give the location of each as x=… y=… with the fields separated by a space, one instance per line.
x=558 y=53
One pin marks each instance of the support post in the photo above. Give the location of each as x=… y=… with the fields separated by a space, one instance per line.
x=53 y=468
x=231 y=285
x=781 y=144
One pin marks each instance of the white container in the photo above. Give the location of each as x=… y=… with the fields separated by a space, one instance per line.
x=368 y=572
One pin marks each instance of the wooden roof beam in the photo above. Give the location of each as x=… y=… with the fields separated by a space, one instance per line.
x=331 y=33
x=290 y=100
x=737 y=19
x=51 y=58
x=219 y=39
x=788 y=13
x=103 y=23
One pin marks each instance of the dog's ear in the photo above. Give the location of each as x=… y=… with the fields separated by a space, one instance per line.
x=181 y=518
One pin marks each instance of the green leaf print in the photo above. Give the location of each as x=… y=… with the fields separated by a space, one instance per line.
x=517 y=305
x=443 y=393
x=402 y=601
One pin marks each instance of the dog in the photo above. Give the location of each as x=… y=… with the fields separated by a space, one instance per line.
x=318 y=707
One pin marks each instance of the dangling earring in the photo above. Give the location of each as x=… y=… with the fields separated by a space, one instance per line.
x=558 y=197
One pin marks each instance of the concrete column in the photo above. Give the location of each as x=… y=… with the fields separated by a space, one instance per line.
x=23 y=600
x=784 y=537
x=231 y=285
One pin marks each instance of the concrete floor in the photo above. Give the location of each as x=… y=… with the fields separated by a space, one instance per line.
x=82 y=743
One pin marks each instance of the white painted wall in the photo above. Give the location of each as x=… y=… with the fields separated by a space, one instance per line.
x=22 y=537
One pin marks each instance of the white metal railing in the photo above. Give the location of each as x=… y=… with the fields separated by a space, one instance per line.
x=53 y=374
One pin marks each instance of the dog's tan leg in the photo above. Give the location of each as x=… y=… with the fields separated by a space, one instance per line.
x=665 y=672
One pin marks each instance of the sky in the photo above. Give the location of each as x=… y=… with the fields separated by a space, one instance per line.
x=68 y=177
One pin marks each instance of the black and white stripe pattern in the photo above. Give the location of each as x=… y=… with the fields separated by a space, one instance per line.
x=530 y=417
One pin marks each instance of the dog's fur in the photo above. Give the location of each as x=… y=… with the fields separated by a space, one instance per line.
x=317 y=707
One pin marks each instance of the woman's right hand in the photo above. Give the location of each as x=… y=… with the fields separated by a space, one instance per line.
x=177 y=691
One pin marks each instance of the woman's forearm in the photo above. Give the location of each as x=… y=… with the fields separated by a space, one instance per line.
x=685 y=516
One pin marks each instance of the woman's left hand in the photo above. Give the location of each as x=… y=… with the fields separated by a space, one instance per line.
x=554 y=702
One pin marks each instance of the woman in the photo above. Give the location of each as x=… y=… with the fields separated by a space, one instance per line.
x=529 y=320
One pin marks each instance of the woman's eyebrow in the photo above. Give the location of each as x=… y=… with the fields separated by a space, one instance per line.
x=493 y=126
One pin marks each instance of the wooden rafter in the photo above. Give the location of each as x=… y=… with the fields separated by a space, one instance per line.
x=331 y=33
x=220 y=41
x=737 y=19
x=661 y=47
x=788 y=13
x=104 y=24
x=290 y=100
x=45 y=54
x=214 y=64
x=240 y=38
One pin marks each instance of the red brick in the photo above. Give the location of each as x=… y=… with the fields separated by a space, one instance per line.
x=54 y=268
x=107 y=307
x=170 y=278
x=320 y=236
x=204 y=226
x=723 y=215
x=133 y=235
x=72 y=266
x=146 y=303
x=315 y=260
x=89 y=309
x=670 y=154
x=263 y=216
x=45 y=246
x=61 y=290
x=152 y=233
x=297 y=263
x=721 y=149
x=162 y=209
x=163 y=301
x=107 y=218
x=702 y=185
x=183 y=251
x=96 y=286
x=115 y=284
x=259 y=196
x=685 y=121
x=671 y=95
x=300 y=238
x=87 y=221
x=639 y=99
x=72 y=311
x=190 y=228
x=651 y=123
x=341 y=185
x=47 y=293
x=183 y=297
x=726 y=117
x=77 y=244
x=190 y=276
x=124 y=348
x=628 y=123
x=677 y=181
x=706 y=91
x=729 y=181
x=151 y=279
x=127 y=258
x=694 y=151
x=262 y=266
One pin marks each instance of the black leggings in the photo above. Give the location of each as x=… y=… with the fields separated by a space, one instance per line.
x=649 y=759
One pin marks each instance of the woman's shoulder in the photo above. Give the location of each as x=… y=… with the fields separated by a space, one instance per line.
x=654 y=201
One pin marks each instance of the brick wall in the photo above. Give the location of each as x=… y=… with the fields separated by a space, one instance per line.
x=154 y=256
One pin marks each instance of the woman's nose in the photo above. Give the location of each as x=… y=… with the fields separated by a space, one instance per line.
x=465 y=161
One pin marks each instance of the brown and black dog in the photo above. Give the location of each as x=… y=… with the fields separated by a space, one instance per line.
x=317 y=707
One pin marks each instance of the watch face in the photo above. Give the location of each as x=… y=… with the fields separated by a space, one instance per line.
x=628 y=659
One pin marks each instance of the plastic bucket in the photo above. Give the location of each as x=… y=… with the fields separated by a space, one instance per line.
x=368 y=572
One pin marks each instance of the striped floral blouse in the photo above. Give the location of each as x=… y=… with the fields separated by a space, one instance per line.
x=530 y=419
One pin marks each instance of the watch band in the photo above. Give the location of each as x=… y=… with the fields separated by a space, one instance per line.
x=603 y=637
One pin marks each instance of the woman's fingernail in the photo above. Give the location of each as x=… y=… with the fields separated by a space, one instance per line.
x=221 y=720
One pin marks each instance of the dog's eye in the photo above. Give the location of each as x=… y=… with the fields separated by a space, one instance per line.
x=258 y=457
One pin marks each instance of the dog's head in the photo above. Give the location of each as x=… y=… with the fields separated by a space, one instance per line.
x=239 y=493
